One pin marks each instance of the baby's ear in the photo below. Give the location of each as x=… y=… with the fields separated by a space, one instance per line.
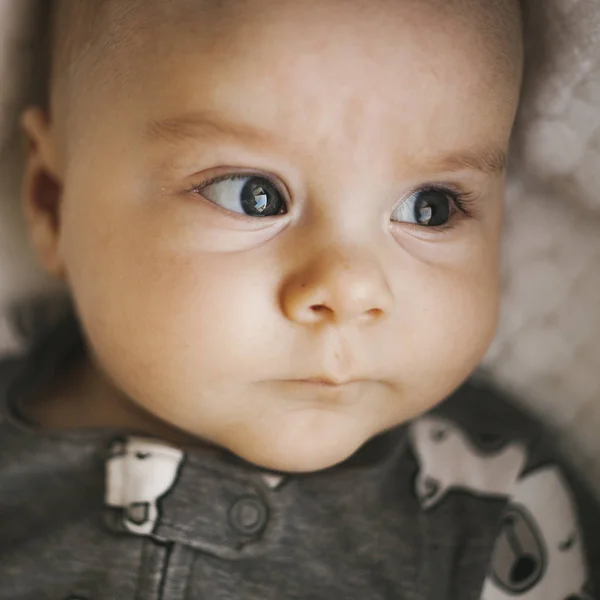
x=42 y=189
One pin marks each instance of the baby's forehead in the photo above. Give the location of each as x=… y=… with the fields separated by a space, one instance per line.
x=125 y=41
x=112 y=25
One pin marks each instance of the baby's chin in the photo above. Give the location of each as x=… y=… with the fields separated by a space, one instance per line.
x=288 y=459
x=302 y=445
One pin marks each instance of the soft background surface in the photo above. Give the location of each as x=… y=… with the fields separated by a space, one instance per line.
x=548 y=345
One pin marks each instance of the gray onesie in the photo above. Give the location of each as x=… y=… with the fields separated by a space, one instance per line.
x=466 y=502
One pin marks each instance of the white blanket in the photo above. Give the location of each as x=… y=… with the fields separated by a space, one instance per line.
x=548 y=345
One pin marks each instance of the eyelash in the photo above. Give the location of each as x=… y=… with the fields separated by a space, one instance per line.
x=464 y=201
x=197 y=188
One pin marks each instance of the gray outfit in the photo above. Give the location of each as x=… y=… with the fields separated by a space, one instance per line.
x=466 y=502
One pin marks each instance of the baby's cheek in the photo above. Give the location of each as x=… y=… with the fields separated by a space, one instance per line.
x=453 y=322
x=167 y=325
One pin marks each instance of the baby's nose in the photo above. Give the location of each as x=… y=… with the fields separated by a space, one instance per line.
x=337 y=288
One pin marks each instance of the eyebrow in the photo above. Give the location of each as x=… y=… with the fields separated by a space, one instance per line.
x=491 y=160
x=197 y=125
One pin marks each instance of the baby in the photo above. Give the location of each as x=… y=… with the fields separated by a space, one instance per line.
x=278 y=221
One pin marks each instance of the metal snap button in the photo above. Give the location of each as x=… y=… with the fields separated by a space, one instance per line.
x=248 y=516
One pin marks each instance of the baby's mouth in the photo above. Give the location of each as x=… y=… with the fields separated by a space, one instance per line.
x=326 y=382
x=326 y=391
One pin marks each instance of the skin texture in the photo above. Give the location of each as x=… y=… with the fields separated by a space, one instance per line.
x=199 y=320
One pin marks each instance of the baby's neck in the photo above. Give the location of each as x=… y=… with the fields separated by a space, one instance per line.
x=82 y=397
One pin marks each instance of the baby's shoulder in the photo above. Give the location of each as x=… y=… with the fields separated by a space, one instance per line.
x=481 y=443
x=478 y=441
x=490 y=416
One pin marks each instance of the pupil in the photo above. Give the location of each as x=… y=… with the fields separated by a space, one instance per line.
x=432 y=209
x=261 y=199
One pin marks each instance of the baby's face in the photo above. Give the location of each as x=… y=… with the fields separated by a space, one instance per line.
x=281 y=227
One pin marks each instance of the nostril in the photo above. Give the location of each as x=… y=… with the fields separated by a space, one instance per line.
x=320 y=313
x=320 y=309
x=373 y=315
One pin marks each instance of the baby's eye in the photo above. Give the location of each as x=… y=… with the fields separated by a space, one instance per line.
x=430 y=208
x=251 y=195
